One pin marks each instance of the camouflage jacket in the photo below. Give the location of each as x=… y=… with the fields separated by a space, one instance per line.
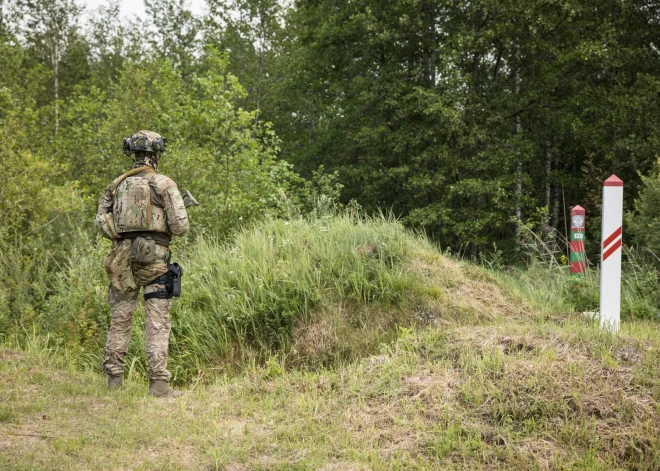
x=141 y=200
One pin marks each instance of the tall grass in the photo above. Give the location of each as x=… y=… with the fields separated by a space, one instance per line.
x=21 y=298
x=546 y=281
x=242 y=297
x=273 y=289
x=248 y=294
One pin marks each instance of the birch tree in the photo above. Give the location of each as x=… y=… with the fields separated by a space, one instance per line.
x=250 y=31
x=50 y=26
x=174 y=32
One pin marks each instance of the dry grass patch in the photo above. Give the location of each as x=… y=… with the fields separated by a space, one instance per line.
x=467 y=294
x=539 y=393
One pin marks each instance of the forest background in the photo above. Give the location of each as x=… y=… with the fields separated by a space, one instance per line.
x=472 y=121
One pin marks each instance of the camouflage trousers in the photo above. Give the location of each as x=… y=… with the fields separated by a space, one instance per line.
x=158 y=324
x=125 y=283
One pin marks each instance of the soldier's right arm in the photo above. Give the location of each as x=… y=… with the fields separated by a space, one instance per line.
x=104 y=220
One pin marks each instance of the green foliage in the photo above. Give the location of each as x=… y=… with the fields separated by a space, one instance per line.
x=453 y=115
x=23 y=289
x=253 y=35
x=644 y=223
x=439 y=110
x=31 y=193
x=77 y=313
x=214 y=149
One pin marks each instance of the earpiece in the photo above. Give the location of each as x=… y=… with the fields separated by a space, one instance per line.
x=159 y=144
x=126 y=144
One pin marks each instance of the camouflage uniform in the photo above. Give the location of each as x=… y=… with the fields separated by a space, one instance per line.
x=122 y=211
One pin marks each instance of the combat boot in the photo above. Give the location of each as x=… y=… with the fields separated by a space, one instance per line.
x=160 y=388
x=115 y=382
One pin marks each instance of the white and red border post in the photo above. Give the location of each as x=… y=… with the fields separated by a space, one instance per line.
x=610 y=262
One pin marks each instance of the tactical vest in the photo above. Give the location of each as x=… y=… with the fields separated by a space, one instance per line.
x=132 y=209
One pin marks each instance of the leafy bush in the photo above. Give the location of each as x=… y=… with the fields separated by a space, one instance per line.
x=214 y=147
x=21 y=294
x=645 y=222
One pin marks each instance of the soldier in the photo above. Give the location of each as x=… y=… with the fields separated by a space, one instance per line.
x=139 y=212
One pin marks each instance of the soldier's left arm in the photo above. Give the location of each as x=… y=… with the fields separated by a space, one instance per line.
x=175 y=211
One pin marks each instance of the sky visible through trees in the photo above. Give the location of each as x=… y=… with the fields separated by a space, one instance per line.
x=137 y=8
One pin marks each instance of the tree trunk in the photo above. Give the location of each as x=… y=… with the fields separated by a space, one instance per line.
x=519 y=162
x=310 y=121
x=56 y=70
x=261 y=66
x=434 y=48
x=555 y=197
x=548 y=185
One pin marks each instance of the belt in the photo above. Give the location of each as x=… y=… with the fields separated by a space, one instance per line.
x=159 y=237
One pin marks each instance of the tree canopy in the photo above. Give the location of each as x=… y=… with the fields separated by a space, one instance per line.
x=463 y=118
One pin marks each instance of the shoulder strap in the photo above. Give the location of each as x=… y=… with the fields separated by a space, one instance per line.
x=117 y=181
x=149 y=207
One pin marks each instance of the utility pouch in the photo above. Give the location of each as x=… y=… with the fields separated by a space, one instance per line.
x=143 y=251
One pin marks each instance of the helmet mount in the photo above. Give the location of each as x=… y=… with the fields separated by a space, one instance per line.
x=144 y=142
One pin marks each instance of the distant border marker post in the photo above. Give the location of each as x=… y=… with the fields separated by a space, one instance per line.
x=577 y=256
x=610 y=261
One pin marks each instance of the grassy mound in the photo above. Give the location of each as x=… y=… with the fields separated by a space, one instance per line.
x=301 y=293
x=318 y=293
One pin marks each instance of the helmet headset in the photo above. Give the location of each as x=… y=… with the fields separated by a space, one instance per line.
x=144 y=141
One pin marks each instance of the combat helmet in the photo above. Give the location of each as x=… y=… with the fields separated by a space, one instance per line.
x=144 y=141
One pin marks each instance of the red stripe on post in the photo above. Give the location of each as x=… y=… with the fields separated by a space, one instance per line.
x=611 y=250
x=613 y=181
x=577 y=267
x=577 y=246
x=611 y=238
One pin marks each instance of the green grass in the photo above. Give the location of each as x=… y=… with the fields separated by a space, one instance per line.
x=251 y=294
x=502 y=395
x=307 y=293
x=545 y=280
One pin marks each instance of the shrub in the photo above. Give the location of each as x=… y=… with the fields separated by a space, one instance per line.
x=22 y=290
x=645 y=223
